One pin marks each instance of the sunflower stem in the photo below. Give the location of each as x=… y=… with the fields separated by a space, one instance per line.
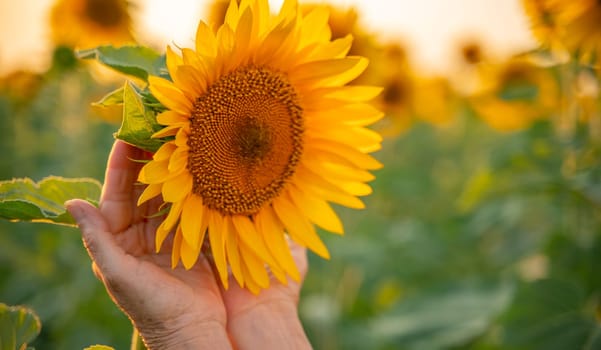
x=136 y=341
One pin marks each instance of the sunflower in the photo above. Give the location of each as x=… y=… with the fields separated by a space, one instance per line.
x=514 y=94
x=90 y=23
x=544 y=25
x=567 y=24
x=581 y=19
x=435 y=101
x=261 y=134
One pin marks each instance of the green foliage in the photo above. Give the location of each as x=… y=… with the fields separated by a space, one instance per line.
x=443 y=316
x=551 y=314
x=139 y=121
x=137 y=61
x=26 y=200
x=18 y=327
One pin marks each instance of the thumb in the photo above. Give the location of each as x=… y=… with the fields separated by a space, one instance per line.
x=97 y=238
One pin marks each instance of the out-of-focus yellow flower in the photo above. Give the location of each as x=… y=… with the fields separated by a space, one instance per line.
x=573 y=24
x=582 y=22
x=544 y=23
x=471 y=52
x=515 y=94
x=90 y=23
x=20 y=86
x=434 y=101
x=469 y=55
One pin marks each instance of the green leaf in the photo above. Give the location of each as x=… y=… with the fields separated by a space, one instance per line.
x=475 y=189
x=137 y=61
x=520 y=92
x=139 y=121
x=448 y=315
x=550 y=314
x=99 y=347
x=112 y=98
x=18 y=326
x=25 y=200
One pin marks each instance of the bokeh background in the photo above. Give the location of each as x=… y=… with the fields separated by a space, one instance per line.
x=484 y=228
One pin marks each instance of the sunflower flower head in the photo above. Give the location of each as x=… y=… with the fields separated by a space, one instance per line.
x=261 y=134
x=544 y=24
x=90 y=23
x=571 y=25
x=514 y=94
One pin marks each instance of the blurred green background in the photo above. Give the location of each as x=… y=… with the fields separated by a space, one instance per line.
x=483 y=231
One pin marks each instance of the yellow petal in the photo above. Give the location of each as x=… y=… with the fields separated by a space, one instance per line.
x=175 y=251
x=188 y=80
x=273 y=230
x=331 y=72
x=334 y=49
x=355 y=188
x=154 y=172
x=231 y=15
x=244 y=32
x=178 y=161
x=194 y=221
x=150 y=192
x=256 y=268
x=317 y=210
x=360 y=114
x=169 y=95
x=337 y=172
x=301 y=230
x=189 y=254
x=226 y=40
x=349 y=93
x=251 y=238
x=206 y=44
x=360 y=138
x=167 y=224
x=232 y=249
x=324 y=189
x=315 y=26
x=339 y=153
x=217 y=238
x=171 y=118
x=173 y=60
x=249 y=282
x=177 y=188
x=288 y=10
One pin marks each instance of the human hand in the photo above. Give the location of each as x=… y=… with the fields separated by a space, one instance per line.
x=176 y=308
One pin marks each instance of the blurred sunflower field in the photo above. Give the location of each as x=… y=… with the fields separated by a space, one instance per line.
x=483 y=230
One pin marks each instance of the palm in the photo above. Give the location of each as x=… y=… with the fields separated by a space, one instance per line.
x=174 y=291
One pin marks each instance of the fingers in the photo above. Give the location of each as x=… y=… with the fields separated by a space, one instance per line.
x=118 y=198
x=99 y=242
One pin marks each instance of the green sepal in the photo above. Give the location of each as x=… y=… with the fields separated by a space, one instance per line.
x=139 y=120
x=111 y=99
x=137 y=61
x=18 y=327
x=25 y=200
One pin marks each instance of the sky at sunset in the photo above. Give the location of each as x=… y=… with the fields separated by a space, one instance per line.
x=429 y=28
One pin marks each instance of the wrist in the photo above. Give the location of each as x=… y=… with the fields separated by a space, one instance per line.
x=204 y=334
x=271 y=325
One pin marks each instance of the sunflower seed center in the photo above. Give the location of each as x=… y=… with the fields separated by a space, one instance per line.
x=245 y=140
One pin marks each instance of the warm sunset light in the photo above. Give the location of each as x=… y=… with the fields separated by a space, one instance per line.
x=291 y=174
